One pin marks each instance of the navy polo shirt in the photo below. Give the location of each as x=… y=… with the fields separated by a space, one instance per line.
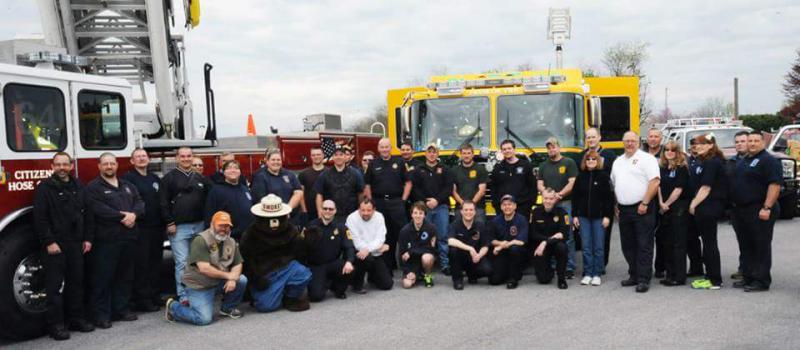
x=504 y=230
x=672 y=179
x=282 y=185
x=753 y=176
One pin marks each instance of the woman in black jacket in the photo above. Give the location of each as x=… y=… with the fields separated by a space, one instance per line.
x=708 y=205
x=673 y=200
x=591 y=210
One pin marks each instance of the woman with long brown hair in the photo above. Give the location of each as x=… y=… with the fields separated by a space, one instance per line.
x=592 y=209
x=708 y=205
x=673 y=200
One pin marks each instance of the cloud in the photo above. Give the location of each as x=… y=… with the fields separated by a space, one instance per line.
x=282 y=60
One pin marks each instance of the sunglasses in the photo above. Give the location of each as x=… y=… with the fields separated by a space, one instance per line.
x=590 y=158
x=328 y=209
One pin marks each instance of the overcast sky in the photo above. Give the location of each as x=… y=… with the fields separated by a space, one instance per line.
x=282 y=60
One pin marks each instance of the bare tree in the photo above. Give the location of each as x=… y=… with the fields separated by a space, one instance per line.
x=715 y=107
x=627 y=59
x=364 y=124
x=791 y=88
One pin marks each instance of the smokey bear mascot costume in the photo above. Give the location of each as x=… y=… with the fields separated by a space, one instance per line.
x=273 y=249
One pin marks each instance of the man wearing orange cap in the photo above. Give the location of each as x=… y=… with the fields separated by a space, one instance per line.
x=214 y=267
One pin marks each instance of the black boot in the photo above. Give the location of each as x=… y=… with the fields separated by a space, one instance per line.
x=58 y=332
x=80 y=325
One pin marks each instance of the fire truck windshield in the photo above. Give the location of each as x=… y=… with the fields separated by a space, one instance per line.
x=450 y=122
x=531 y=119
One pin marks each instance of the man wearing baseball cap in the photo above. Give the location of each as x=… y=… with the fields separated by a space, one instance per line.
x=214 y=267
x=508 y=252
x=432 y=185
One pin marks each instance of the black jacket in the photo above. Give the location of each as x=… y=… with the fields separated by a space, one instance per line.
x=515 y=179
x=58 y=211
x=149 y=187
x=545 y=224
x=183 y=197
x=413 y=241
x=333 y=243
x=592 y=196
x=432 y=182
x=103 y=206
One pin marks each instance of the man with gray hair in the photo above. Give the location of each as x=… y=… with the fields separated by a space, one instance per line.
x=636 y=177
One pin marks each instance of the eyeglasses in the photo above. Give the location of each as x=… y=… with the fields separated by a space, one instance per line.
x=328 y=209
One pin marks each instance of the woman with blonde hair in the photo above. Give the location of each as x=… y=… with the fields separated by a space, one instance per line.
x=673 y=200
x=709 y=183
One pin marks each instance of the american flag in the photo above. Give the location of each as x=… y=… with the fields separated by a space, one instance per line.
x=328 y=146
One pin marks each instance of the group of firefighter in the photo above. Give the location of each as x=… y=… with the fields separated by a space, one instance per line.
x=289 y=239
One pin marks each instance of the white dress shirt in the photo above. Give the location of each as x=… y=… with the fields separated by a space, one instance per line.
x=367 y=234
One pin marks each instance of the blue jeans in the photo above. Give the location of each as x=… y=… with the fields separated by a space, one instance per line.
x=201 y=302
x=440 y=217
x=291 y=281
x=180 y=242
x=567 y=206
x=593 y=237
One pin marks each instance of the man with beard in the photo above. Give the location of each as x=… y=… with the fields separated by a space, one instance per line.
x=58 y=223
x=272 y=249
x=113 y=205
x=214 y=267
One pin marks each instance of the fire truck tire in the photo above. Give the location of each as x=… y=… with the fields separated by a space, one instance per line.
x=18 y=252
x=789 y=206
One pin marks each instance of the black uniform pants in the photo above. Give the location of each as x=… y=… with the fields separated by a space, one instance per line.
x=694 y=248
x=379 y=274
x=738 y=230
x=706 y=221
x=661 y=255
x=542 y=264
x=149 y=253
x=461 y=261
x=757 y=244
x=327 y=276
x=67 y=268
x=394 y=214
x=112 y=277
x=671 y=234
x=507 y=266
x=607 y=247
x=636 y=237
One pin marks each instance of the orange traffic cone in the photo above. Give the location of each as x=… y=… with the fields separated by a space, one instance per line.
x=251 y=126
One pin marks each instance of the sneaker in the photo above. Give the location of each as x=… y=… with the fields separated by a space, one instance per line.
x=428 y=278
x=596 y=281
x=168 y=310
x=700 y=283
x=233 y=313
x=586 y=280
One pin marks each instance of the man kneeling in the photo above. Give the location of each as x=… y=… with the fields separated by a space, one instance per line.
x=417 y=242
x=549 y=225
x=509 y=235
x=214 y=266
x=331 y=261
x=469 y=244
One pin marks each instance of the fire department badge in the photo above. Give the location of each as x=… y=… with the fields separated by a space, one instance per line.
x=566 y=220
x=635 y=161
x=519 y=170
x=562 y=170
x=555 y=219
x=286 y=178
x=476 y=236
x=336 y=232
x=394 y=166
x=473 y=174
x=347 y=233
x=155 y=186
x=513 y=231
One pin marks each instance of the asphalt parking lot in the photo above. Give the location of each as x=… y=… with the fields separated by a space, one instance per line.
x=481 y=316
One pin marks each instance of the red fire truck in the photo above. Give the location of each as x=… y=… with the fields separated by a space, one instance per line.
x=51 y=104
